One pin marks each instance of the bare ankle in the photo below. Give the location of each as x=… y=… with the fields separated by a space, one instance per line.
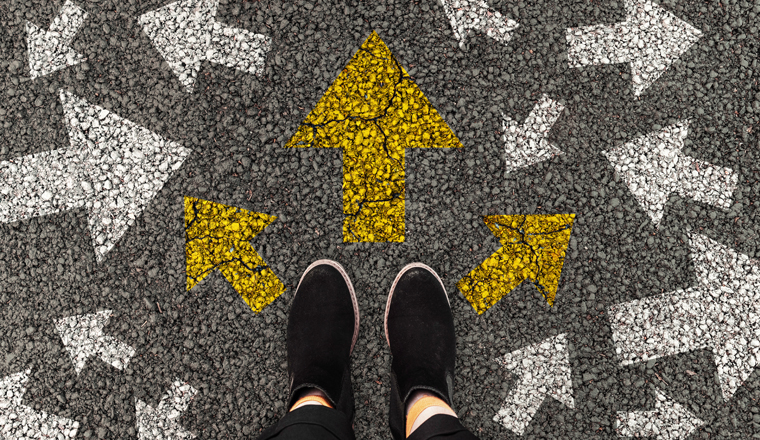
x=311 y=396
x=423 y=405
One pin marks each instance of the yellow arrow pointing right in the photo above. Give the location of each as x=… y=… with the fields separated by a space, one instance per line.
x=533 y=249
x=217 y=237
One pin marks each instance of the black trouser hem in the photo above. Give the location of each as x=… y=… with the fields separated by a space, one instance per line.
x=311 y=422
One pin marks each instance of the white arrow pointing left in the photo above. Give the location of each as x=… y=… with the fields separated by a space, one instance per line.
x=49 y=50
x=544 y=370
x=161 y=423
x=527 y=145
x=114 y=168
x=83 y=337
x=186 y=33
x=721 y=313
x=668 y=421
x=475 y=15
x=650 y=40
x=20 y=422
x=654 y=167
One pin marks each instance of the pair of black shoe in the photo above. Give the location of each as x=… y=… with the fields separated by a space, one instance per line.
x=324 y=324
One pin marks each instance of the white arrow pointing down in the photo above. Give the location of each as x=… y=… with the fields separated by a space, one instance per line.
x=526 y=144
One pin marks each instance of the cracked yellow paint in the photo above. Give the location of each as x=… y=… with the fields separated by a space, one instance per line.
x=533 y=249
x=374 y=111
x=217 y=237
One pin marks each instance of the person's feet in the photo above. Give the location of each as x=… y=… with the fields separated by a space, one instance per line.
x=322 y=329
x=419 y=328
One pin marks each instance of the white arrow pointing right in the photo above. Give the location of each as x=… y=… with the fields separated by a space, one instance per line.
x=20 y=422
x=721 y=312
x=475 y=15
x=114 y=168
x=527 y=145
x=544 y=370
x=160 y=423
x=650 y=40
x=668 y=421
x=49 y=50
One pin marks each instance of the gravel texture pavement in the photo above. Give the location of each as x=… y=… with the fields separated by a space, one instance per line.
x=207 y=343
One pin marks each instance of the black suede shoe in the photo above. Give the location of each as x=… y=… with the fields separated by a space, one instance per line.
x=419 y=328
x=322 y=330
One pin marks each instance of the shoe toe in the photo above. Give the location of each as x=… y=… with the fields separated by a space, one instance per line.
x=418 y=297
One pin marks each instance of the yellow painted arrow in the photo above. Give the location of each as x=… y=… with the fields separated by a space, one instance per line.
x=374 y=111
x=533 y=249
x=217 y=237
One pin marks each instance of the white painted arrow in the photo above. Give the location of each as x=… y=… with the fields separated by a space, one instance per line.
x=526 y=145
x=161 y=423
x=722 y=313
x=475 y=15
x=20 y=422
x=49 y=50
x=186 y=33
x=544 y=370
x=668 y=421
x=650 y=40
x=83 y=337
x=654 y=166
x=114 y=168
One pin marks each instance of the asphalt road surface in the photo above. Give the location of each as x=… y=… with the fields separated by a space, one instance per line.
x=655 y=315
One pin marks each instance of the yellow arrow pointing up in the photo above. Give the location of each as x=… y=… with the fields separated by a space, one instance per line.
x=374 y=111
x=217 y=237
x=533 y=249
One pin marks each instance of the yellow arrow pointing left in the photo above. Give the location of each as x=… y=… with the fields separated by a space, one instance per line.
x=217 y=237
